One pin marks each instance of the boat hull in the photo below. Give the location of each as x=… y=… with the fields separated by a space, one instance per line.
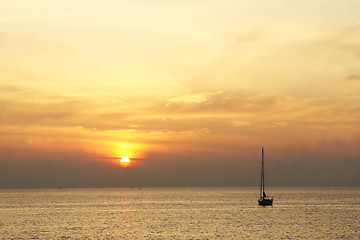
x=266 y=201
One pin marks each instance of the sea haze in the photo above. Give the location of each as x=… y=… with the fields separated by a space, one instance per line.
x=179 y=213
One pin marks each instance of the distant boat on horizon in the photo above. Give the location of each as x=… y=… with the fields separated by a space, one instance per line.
x=263 y=200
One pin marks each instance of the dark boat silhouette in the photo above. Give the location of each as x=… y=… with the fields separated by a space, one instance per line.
x=263 y=200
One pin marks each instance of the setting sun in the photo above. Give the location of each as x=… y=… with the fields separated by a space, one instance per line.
x=125 y=162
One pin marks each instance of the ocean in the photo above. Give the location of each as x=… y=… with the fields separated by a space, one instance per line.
x=179 y=213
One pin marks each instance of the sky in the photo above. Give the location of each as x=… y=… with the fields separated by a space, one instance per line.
x=188 y=90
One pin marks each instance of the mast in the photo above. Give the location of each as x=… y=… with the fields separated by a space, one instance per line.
x=263 y=172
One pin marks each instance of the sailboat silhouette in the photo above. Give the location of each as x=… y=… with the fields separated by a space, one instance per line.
x=263 y=200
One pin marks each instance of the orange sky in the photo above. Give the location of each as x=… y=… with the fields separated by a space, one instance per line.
x=190 y=89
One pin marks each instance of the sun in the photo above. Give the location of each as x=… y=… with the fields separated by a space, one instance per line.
x=125 y=161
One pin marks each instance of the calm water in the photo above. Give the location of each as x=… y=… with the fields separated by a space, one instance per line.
x=176 y=213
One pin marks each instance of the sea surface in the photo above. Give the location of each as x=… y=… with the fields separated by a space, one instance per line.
x=179 y=213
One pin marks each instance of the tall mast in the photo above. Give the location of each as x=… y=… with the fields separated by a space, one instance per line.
x=263 y=172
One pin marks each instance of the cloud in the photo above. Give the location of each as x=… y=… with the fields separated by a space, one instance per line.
x=218 y=112
x=189 y=98
x=352 y=78
x=41 y=112
x=23 y=106
x=190 y=121
x=221 y=102
x=284 y=119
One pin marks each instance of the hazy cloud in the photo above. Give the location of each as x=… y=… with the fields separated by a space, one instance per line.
x=30 y=107
x=218 y=102
x=353 y=77
x=185 y=170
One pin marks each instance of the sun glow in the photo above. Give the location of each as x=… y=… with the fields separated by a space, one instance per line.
x=125 y=161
